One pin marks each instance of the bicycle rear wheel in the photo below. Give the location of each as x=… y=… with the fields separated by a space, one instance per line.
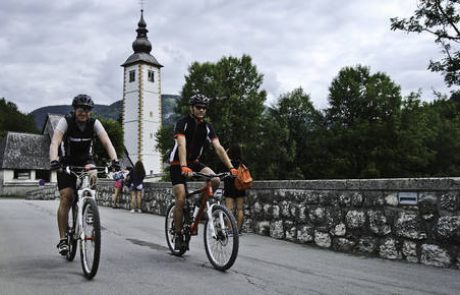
x=71 y=240
x=90 y=245
x=170 y=230
x=222 y=243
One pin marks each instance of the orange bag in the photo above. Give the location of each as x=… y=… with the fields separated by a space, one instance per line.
x=243 y=179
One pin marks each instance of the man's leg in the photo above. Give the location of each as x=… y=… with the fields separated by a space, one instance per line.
x=62 y=217
x=179 y=193
x=215 y=182
x=239 y=212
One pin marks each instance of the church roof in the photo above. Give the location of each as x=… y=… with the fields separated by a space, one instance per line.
x=142 y=46
x=141 y=57
x=24 y=151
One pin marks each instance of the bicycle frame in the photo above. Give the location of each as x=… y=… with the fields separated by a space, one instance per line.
x=83 y=193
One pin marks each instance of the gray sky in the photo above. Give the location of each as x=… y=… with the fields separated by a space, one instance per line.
x=51 y=50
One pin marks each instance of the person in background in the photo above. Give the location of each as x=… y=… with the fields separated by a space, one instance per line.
x=233 y=196
x=118 y=176
x=137 y=185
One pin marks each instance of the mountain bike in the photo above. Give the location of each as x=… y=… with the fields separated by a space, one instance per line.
x=84 y=225
x=220 y=230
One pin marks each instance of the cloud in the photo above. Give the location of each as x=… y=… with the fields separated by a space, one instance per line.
x=52 y=50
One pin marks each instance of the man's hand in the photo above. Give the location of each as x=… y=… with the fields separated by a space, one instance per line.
x=55 y=165
x=115 y=165
x=186 y=171
x=234 y=171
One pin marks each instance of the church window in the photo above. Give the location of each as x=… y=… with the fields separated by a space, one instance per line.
x=132 y=76
x=151 y=76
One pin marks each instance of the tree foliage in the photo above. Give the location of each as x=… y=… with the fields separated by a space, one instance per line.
x=11 y=119
x=236 y=105
x=441 y=19
x=115 y=132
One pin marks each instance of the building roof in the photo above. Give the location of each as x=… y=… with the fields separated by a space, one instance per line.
x=24 y=151
x=142 y=46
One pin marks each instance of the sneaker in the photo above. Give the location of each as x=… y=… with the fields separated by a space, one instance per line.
x=179 y=242
x=132 y=211
x=139 y=210
x=62 y=246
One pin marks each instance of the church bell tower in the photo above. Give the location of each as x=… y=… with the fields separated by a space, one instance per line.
x=142 y=102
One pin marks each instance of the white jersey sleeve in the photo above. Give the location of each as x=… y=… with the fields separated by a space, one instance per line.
x=62 y=125
x=98 y=128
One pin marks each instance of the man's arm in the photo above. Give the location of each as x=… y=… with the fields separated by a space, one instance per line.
x=182 y=149
x=221 y=153
x=54 y=146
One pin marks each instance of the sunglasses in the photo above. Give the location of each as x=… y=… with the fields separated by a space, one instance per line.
x=84 y=109
x=200 y=107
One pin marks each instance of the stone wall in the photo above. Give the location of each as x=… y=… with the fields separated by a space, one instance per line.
x=415 y=220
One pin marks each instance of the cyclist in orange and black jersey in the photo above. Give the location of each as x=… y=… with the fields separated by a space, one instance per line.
x=192 y=134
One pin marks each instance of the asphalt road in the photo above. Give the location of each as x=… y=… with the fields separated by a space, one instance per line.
x=135 y=260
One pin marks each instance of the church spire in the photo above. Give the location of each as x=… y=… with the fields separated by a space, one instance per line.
x=142 y=43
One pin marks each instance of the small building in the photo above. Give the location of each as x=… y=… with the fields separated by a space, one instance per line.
x=24 y=159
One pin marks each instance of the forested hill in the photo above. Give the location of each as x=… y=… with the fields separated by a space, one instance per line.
x=107 y=111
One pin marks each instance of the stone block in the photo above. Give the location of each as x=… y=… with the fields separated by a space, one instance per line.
x=357 y=199
x=449 y=201
x=428 y=206
x=262 y=228
x=291 y=231
x=367 y=245
x=448 y=228
x=378 y=223
x=284 y=206
x=311 y=197
x=277 y=230
x=339 y=230
x=317 y=215
x=409 y=251
x=373 y=199
x=345 y=199
x=276 y=212
x=355 y=219
x=392 y=199
x=322 y=239
x=408 y=226
x=328 y=198
x=388 y=249
x=434 y=255
x=343 y=244
x=305 y=234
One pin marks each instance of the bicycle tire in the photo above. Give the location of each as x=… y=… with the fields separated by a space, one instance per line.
x=71 y=240
x=90 y=245
x=221 y=250
x=170 y=230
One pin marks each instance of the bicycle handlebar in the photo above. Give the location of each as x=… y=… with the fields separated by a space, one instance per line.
x=80 y=169
x=210 y=176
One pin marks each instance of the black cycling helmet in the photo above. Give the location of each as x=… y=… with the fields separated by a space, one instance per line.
x=199 y=99
x=82 y=100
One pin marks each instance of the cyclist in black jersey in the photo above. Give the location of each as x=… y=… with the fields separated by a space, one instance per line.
x=192 y=134
x=72 y=144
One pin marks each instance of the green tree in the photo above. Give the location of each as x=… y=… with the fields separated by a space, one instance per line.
x=115 y=132
x=362 y=118
x=299 y=121
x=439 y=18
x=11 y=119
x=236 y=106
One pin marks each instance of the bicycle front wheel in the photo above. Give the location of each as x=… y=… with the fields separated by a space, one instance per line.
x=221 y=238
x=170 y=230
x=71 y=239
x=90 y=245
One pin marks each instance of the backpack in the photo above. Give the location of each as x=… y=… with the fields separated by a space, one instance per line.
x=243 y=179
